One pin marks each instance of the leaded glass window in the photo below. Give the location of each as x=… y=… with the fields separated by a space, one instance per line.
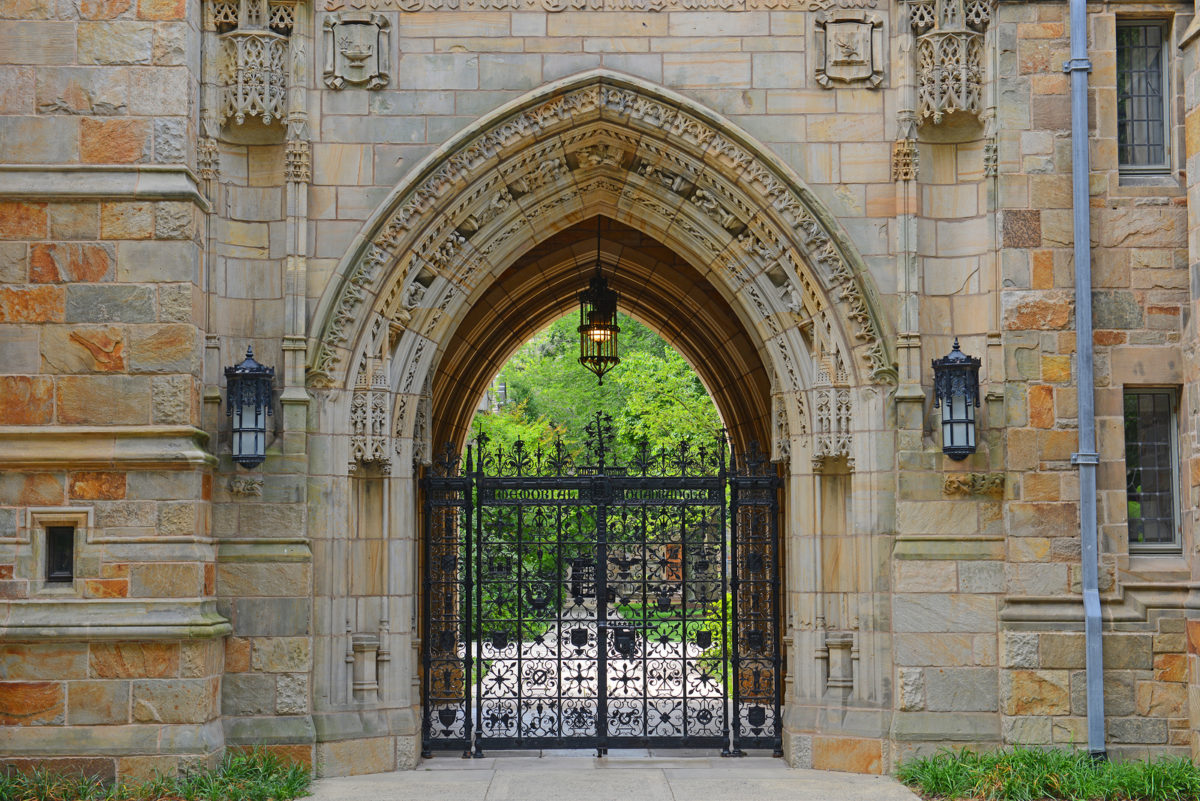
x=1150 y=475
x=1141 y=96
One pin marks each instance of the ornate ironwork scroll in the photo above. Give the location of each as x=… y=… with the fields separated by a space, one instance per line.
x=611 y=598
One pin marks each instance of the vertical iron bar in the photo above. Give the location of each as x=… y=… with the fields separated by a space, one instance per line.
x=776 y=612
x=426 y=617
x=735 y=658
x=725 y=611
x=473 y=487
x=683 y=602
x=645 y=560
x=558 y=557
x=467 y=508
x=520 y=620
x=601 y=619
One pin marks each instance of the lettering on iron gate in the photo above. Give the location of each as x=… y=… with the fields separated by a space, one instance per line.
x=605 y=599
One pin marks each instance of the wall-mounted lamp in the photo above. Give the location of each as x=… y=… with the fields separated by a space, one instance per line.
x=248 y=402
x=956 y=392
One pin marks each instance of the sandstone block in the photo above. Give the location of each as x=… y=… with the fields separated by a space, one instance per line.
x=109 y=304
x=82 y=90
x=103 y=9
x=117 y=141
x=271 y=617
x=943 y=613
x=354 y=757
x=237 y=655
x=912 y=689
x=162 y=9
x=1049 y=310
x=164 y=349
x=161 y=92
x=174 y=400
x=103 y=400
x=115 y=42
x=925 y=577
x=21 y=220
x=31 y=489
x=1170 y=667
x=50 y=139
x=849 y=754
x=1037 y=692
x=124 y=220
x=1026 y=730
x=291 y=694
x=93 y=485
x=264 y=579
x=37 y=42
x=106 y=588
x=198 y=660
x=31 y=305
x=1062 y=650
x=158 y=262
x=165 y=580
x=31 y=703
x=1119 y=693
x=92 y=703
x=26 y=400
x=281 y=654
x=83 y=349
x=124 y=660
x=1129 y=652
x=173 y=700
x=43 y=661
x=1116 y=309
x=248 y=694
x=58 y=263
x=961 y=689
x=1161 y=700
x=75 y=221
x=1137 y=730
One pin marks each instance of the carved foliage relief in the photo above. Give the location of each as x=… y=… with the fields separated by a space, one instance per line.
x=950 y=62
x=547 y=160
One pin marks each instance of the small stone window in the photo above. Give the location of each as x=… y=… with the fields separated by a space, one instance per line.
x=60 y=554
x=1142 y=130
x=1151 y=478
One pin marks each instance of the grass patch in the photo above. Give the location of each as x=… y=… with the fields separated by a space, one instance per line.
x=1033 y=774
x=251 y=776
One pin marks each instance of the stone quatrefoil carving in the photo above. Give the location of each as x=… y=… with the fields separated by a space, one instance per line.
x=603 y=144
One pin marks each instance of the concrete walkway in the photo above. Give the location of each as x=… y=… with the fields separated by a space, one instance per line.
x=625 y=776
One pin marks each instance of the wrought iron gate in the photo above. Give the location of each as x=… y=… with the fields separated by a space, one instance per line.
x=601 y=605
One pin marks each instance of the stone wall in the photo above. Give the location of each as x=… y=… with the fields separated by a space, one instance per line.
x=147 y=239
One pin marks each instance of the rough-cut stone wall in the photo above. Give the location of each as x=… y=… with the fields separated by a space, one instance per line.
x=144 y=244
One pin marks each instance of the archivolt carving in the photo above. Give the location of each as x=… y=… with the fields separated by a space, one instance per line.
x=499 y=184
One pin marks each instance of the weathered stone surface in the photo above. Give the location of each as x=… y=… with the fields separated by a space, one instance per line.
x=1137 y=730
x=271 y=617
x=58 y=263
x=1022 y=228
x=354 y=757
x=961 y=689
x=164 y=349
x=250 y=579
x=31 y=703
x=1115 y=309
x=248 y=694
x=847 y=754
x=126 y=660
x=97 y=702
x=1037 y=692
x=1049 y=310
x=173 y=700
x=1119 y=693
x=126 y=220
x=22 y=661
x=94 y=485
x=291 y=694
x=173 y=399
x=1128 y=652
x=114 y=141
x=237 y=655
x=22 y=220
x=34 y=304
x=951 y=612
x=165 y=580
x=26 y=400
x=103 y=400
x=109 y=304
x=912 y=689
x=117 y=42
x=280 y=654
x=1062 y=650
x=1170 y=667
x=1026 y=730
x=1161 y=700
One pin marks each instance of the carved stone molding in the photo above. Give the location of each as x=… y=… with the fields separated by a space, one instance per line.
x=356 y=50
x=557 y=6
x=832 y=437
x=208 y=159
x=965 y=484
x=608 y=142
x=906 y=160
x=252 y=72
x=850 y=48
x=298 y=161
x=370 y=440
x=950 y=61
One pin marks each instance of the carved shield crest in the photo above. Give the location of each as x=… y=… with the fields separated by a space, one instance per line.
x=849 y=48
x=356 y=50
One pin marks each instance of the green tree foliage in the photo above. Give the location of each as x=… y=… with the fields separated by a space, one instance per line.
x=653 y=394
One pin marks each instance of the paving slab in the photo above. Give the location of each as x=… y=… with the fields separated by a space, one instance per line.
x=633 y=776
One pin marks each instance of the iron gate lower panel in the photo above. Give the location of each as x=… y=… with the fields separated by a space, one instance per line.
x=597 y=606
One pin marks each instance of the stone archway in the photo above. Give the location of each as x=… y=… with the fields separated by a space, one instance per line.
x=406 y=294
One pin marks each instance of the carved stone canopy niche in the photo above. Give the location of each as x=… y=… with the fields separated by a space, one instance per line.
x=252 y=75
x=950 y=55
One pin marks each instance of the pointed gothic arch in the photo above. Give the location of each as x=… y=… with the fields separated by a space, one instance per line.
x=614 y=145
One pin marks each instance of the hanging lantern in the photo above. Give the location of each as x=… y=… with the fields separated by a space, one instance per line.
x=598 y=327
x=956 y=392
x=248 y=402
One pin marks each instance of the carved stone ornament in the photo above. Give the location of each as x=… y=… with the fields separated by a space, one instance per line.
x=950 y=62
x=906 y=160
x=252 y=73
x=557 y=6
x=356 y=50
x=849 y=48
x=246 y=486
x=964 y=484
x=370 y=442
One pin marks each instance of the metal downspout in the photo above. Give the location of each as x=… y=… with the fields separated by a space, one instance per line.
x=1087 y=458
